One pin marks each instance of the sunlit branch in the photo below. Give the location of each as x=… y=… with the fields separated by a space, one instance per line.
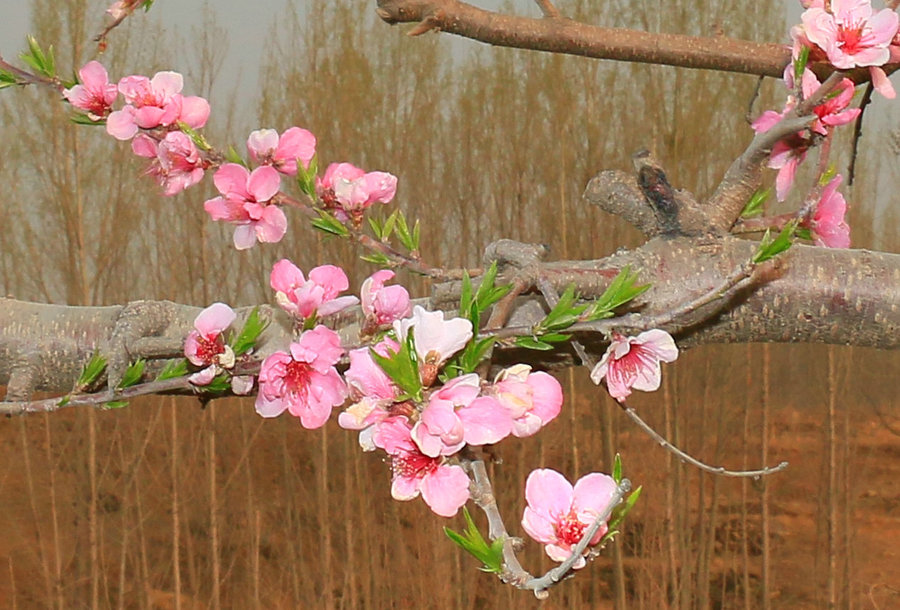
x=548 y=9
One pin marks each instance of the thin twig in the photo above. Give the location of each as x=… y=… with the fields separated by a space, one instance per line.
x=719 y=470
x=540 y=585
x=482 y=494
x=734 y=278
x=548 y=9
x=857 y=130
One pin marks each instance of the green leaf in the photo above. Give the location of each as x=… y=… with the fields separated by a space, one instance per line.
x=389 y=225
x=376 y=258
x=115 y=404
x=533 y=343
x=804 y=233
x=219 y=385
x=306 y=177
x=471 y=541
x=83 y=119
x=470 y=357
x=402 y=368
x=769 y=248
x=617 y=469
x=64 y=401
x=828 y=175
x=173 y=369
x=146 y=5
x=329 y=224
x=621 y=290
x=754 y=206
x=132 y=374
x=466 y=299
x=564 y=314
x=195 y=136
x=7 y=79
x=800 y=63
x=92 y=370
x=233 y=156
x=253 y=328
x=410 y=240
x=619 y=514
x=376 y=227
x=42 y=63
x=488 y=293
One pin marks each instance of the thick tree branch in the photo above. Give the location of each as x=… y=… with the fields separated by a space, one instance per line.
x=561 y=35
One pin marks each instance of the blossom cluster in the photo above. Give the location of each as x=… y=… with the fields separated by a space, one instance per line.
x=161 y=124
x=847 y=34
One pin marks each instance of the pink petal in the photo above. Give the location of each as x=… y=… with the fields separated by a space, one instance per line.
x=485 y=421
x=286 y=276
x=214 y=319
x=120 y=124
x=194 y=111
x=882 y=83
x=231 y=179
x=592 y=493
x=264 y=182
x=144 y=146
x=167 y=83
x=547 y=396
x=261 y=143
x=404 y=488
x=548 y=493
x=538 y=525
x=331 y=278
x=445 y=490
x=269 y=408
x=244 y=237
x=272 y=226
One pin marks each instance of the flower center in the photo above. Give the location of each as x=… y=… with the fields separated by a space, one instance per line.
x=414 y=464
x=851 y=38
x=297 y=376
x=209 y=347
x=569 y=529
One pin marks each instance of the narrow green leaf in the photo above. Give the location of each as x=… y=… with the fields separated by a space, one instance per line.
x=800 y=63
x=115 y=404
x=466 y=298
x=253 y=328
x=329 y=224
x=403 y=233
x=376 y=226
x=471 y=541
x=83 y=119
x=173 y=369
x=219 y=385
x=755 y=205
x=804 y=233
x=91 y=371
x=376 y=258
x=621 y=290
x=146 y=5
x=64 y=401
x=132 y=374
x=233 y=156
x=306 y=177
x=402 y=368
x=532 y=343
x=769 y=248
x=389 y=224
x=195 y=136
x=617 y=469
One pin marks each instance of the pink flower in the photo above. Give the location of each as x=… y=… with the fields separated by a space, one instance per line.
x=374 y=392
x=850 y=34
x=245 y=201
x=633 y=362
x=282 y=153
x=95 y=95
x=383 y=304
x=457 y=416
x=350 y=191
x=559 y=515
x=303 y=298
x=532 y=399
x=153 y=103
x=786 y=157
x=303 y=381
x=436 y=339
x=444 y=487
x=828 y=226
x=834 y=110
x=205 y=345
x=176 y=161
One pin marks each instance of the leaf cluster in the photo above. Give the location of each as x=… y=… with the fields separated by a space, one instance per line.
x=472 y=542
